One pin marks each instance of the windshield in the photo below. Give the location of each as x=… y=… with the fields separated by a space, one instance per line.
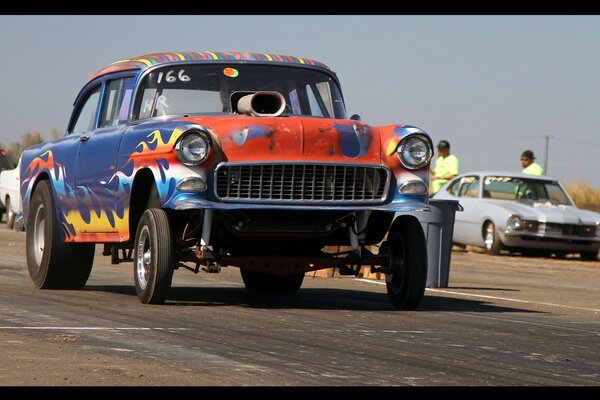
x=210 y=89
x=512 y=188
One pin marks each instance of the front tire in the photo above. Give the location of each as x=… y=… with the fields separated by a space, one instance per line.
x=52 y=263
x=407 y=251
x=261 y=283
x=10 y=215
x=491 y=241
x=153 y=257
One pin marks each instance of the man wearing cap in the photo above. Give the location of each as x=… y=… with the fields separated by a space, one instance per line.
x=530 y=167
x=446 y=166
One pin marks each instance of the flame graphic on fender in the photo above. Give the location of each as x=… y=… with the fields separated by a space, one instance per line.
x=83 y=216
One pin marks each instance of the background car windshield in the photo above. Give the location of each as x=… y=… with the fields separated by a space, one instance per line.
x=513 y=188
x=210 y=89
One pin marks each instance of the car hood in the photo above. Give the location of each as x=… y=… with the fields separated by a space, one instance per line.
x=547 y=212
x=244 y=138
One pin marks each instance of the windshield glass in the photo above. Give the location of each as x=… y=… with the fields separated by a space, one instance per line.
x=512 y=188
x=210 y=89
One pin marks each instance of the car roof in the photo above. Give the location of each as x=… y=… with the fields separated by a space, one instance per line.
x=508 y=173
x=141 y=63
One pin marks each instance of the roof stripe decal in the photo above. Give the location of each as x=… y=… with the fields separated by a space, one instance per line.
x=149 y=60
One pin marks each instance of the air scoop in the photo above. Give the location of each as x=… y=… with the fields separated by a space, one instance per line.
x=262 y=104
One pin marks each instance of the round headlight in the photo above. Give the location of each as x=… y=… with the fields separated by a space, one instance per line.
x=515 y=223
x=414 y=152
x=193 y=147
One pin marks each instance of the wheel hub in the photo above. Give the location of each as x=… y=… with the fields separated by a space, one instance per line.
x=39 y=239
x=143 y=259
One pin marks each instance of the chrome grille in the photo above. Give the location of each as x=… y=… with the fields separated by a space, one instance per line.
x=301 y=183
x=551 y=228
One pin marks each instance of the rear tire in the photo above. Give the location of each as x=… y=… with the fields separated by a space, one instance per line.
x=10 y=215
x=52 y=263
x=491 y=241
x=407 y=251
x=261 y=283
x=153 y=259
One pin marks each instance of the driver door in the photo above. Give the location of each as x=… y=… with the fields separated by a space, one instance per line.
x=96 y=160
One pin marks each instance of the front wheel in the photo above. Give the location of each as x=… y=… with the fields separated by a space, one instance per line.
x=491 y=241
x=153 y=259
x=52 y=263
x=258 y=282
x=10 y=215
x=406 y=247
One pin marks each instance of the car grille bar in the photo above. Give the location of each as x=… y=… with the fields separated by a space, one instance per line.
x=551 y=228
x=301 y=183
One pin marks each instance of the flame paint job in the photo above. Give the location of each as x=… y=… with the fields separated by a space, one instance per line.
x=93 y=179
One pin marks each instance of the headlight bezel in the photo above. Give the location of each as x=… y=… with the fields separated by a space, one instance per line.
x=185 y=139
x=404 y=148
x=514 y=223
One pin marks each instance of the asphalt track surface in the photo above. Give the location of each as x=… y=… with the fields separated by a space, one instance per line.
x=502 y=321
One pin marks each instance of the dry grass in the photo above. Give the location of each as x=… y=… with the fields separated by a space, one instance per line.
x=584 y=195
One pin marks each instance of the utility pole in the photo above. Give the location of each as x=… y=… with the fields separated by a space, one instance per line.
x=547 y=137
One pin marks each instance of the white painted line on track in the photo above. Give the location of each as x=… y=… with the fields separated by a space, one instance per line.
x=88 y=328
x=483 y=296
x=370 y=281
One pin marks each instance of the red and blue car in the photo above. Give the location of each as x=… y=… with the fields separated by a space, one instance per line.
x=199 y=160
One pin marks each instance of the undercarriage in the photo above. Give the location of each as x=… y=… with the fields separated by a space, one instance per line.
x=274 y=249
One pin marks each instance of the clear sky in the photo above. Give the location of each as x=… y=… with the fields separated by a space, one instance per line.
x=491 y=85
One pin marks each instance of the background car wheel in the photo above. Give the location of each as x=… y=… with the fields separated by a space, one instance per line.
x=407 y=251
x=589 y=255
x=259 y=283
x=10 y=215
x=153 y=257
x=52 y=263
x=491 y=241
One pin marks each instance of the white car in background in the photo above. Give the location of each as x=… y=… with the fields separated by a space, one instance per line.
x=10 y=195
x=524 y=213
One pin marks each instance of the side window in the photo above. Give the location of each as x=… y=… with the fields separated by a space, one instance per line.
x=469 y=187
x=472 y=189
x=453 y=187
x=87 y=113
x=117 y=99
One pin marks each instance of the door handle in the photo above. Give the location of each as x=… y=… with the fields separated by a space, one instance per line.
x=84 y=138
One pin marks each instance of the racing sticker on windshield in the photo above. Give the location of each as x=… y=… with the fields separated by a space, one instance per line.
x=230 y=72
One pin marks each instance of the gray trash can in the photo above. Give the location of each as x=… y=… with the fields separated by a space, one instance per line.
x=438 y=225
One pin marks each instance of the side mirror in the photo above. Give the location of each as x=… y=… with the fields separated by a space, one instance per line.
x=355 y=117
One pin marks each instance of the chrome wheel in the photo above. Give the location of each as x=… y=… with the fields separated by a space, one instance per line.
x=143 y=258
x=489 y=237
x=10 y=215
x=39 y=236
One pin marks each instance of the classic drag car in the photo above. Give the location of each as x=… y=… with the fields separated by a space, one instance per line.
x=200 y=160
x=517 y=212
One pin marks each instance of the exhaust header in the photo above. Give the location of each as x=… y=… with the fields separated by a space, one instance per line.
x=262 y=104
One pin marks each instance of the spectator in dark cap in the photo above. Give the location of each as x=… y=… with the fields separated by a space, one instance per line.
x=446 y=166
x=530 y=167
